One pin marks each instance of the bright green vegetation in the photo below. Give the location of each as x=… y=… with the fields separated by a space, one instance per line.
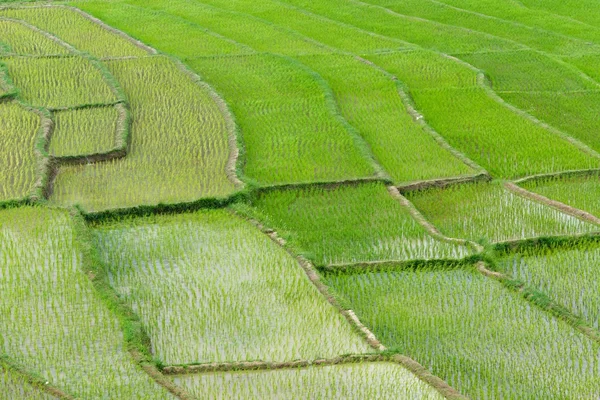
x=569 y=276
x=179 y=147
x=369 y=100
x=288 y=124
x=77 y=30
x=210 y=287
x=13 y=386
x=580 y=192
x=53 y=322
x=350 y=224
x=500 y=140
x=84 y=131
x=149 y=26
x=21 y=39
x=484 y=340
x=58 y=82
x=18 y=164
x=545 y=40
x=379 y=380
x=491 y=213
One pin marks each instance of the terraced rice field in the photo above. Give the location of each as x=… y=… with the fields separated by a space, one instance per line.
x=324 y=199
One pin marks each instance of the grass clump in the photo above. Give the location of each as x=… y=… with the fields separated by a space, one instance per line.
x=179 y=149
x=209 y=287
x=485 y=341
x=349 y=224
x=53 y=322
x=377 y=380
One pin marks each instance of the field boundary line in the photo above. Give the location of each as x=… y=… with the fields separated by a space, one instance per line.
x=540 y=241
x=558 y=175
x=315 y=279
x=417 y=117
x=33 y=379
x=442 y=182
x=321 y=184
x=236 y=160
x=34 y=28
x=428 y=226
x=398 y=265
x=541 y=300
x=485 y=84
x=136 y=341
x=557 y=205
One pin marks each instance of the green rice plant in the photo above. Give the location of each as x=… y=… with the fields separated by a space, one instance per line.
x=484 y=340
x=84 y=131
x=576 y=10
x=332 y=33
x=13 y=386
x=21 y=39
x=210 y=287
x=289 y=128
x=149 y=26
x=179 y=149
x=59 y=82
x=488 y=212
x=548 y=20
x=580 y=192
x=18 y=163
x=569 y=276
x=380 y=380
x=53 y=323
x=529 y=71
x=429 y=34
x=236 y=26
x=84 y=34
x=536 y=38
x=497 y=138
x=369 y=100
x=349 y=224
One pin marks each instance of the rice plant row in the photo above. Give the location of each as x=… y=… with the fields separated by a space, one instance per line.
x=288 y=126
x=209 y=287
x=580 y=192
x=59 y=82
x=85 y=131
x=486 y=212
x=377 y=380
x=349 y=225
x=18 y=161
x=569 y=276
x=22 y=39
x=179 y=149
x=53 y=323
x=485 y=341
x=13 y=386
x=83 y=33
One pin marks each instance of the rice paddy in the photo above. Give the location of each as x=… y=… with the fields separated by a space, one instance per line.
x=256 y=301
x=299 y=199
x=349 y=381
x=490 y=213
x=483 y=340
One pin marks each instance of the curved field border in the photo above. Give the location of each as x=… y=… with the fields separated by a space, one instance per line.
x=34 y=380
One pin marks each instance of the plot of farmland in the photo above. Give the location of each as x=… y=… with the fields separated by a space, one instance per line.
x=241 y=199
x=209 y=287
x=473 y=333
x=351 y=381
